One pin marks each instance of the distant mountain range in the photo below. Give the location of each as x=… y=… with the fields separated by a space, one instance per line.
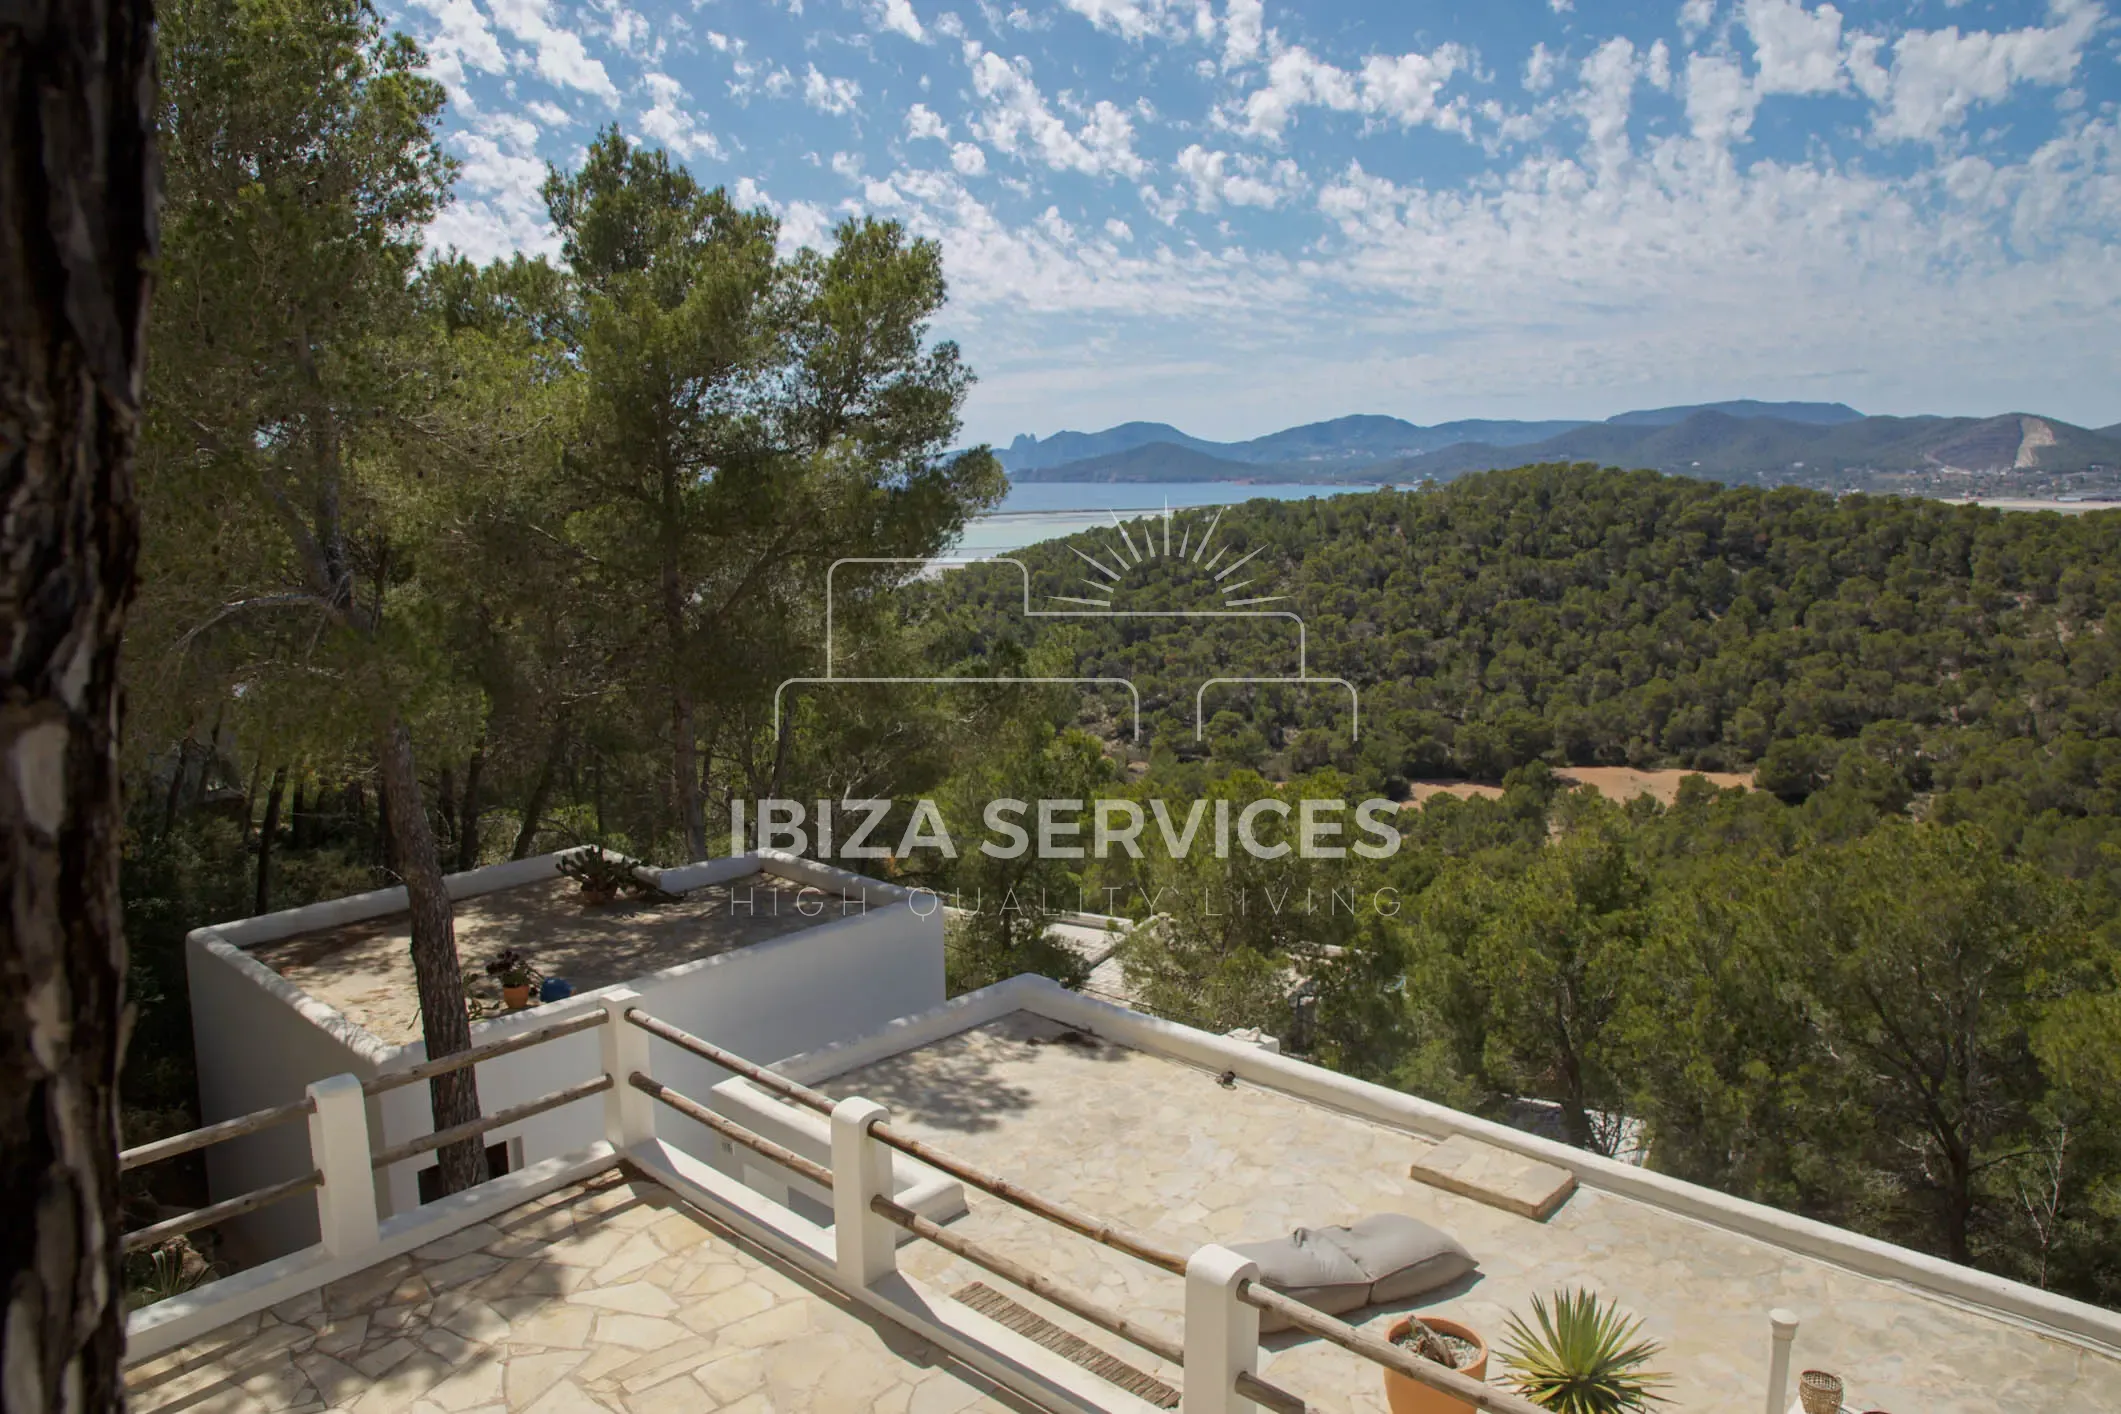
x=1745 y=440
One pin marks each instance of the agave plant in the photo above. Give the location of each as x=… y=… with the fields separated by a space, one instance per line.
x=1586 y=1357
x=606 y=875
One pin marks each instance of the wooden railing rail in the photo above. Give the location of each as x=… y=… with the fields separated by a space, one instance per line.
x=1119 y=1239
x=457 y=1060
x=729 y=1060
x=1060 y=1294
x=729 y=1129
x=220 y=1212
x=1306 y=1318
x=472 y=1129
x=1477 y=1393
x=191 y=1139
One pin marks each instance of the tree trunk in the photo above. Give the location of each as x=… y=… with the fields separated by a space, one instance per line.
x=176 y=787
x=446 y=809
x=77 y=230
x=298 y=811
x=540 y=791
x=386 y=845
x=273 y=796
x=684 y=759
x=468 y=814
x=783 y=739
x=445 y=1024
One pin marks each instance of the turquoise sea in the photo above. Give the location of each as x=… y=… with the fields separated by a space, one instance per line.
x=1045 y=510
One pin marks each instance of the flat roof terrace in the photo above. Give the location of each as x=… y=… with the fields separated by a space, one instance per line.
x=1164 y=1148
x=364 y=970
x=608 y=1295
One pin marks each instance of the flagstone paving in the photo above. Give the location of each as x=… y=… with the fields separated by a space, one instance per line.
x=1164 y=1149
x=609 y=1297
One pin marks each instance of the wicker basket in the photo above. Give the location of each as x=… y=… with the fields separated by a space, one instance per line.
x=1819 y=1392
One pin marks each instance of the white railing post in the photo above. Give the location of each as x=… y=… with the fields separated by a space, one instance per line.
x=861 y=1170
x=338 y=1146
x=1783 y=1326
x=629 y=1114
x=1222 y=1332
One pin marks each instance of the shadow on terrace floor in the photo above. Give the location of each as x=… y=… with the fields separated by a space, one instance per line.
x=609 y=1295
x=957 y=1085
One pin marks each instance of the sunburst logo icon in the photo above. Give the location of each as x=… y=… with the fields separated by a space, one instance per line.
x=1194 y=545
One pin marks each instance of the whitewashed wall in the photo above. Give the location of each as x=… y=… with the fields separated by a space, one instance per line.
x=262 y=1039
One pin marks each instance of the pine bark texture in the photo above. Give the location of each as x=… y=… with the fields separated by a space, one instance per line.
x=443 y=1022
x=77 y=228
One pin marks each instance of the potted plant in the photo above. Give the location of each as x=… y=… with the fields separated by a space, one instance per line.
x=1585 y=1357
x=1449 y=1344
x=517 y=976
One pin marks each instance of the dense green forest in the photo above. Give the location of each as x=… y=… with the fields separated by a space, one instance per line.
x=446 y=564
x=1946 y=658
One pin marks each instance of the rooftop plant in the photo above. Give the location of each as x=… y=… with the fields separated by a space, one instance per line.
x=513 y=968
x=1585 y=1357
x=603 y=874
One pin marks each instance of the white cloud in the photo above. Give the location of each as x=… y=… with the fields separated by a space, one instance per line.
x=629 y=30
x=922 y=122
x=499 y=207
x=1796 y=50
x=969 y=158
x=1719 y=99
x=1243 y=28
x=802 y=223
x=1539 y=68
x=1138 y=19
x=673 y=125
x=1017 y=121
x=1607 y=96
x=1405 y=87
x=1118 y=229
x=1216 y=179
x=1937 y=75
x=552 y=115
x=1561 y=7
x=829 y=95
x=1696 y=16
x=464 y=38
x=561 y=56
x=898 y=17
x=1658 y=68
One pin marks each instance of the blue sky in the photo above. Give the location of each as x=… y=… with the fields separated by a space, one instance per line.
x=1236 y=215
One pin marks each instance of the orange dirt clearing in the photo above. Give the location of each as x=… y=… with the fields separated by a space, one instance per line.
x=1616 y=783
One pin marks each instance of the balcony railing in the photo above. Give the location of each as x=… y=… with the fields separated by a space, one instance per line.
x=1220 y=1350
x=1217 y=1351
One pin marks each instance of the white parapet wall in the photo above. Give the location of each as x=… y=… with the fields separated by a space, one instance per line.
x=1395 y=1109
x=261 y=1039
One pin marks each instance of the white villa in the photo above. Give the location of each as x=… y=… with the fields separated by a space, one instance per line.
x=757 y=1162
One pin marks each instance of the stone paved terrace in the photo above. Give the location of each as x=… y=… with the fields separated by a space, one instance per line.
x=364 y=970
x=609 y=1297
x=1162 y=1148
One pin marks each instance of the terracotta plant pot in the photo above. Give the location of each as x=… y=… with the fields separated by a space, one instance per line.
x=517 y=998
x=1408 y=1396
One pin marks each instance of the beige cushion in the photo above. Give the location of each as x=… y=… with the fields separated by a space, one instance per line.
x=1384 y=1257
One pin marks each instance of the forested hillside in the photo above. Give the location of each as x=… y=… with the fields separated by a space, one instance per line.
x=1881 y=990
x=1912 y=650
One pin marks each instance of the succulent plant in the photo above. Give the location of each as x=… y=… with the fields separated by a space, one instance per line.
x=1586 y=1357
